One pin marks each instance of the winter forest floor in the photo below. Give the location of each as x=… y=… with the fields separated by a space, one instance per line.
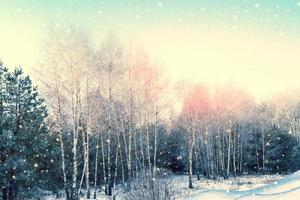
x=242 y=187
x=205 y=186
x=252 y=188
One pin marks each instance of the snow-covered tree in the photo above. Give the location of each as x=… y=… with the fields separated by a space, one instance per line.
x=25 y=145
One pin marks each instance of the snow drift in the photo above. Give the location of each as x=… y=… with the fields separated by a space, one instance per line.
x=287 y=188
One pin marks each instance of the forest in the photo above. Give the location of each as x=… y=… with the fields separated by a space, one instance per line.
x=105 y=118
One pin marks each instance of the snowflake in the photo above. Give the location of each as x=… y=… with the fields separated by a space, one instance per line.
x=160 y=4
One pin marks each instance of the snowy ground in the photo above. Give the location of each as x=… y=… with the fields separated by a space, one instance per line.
x=250 y=187
x=208 y=186
x=286 y=188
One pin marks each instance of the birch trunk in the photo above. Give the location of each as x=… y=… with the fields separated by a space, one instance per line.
x=155 y=140
x=75 y=114
x=96 y=171
x=190 y=157
x=229 y=149
x=234 y=151
x=88 y=163
x=263 y=147
x=62 y=148
x=103 y=158
x=109 y=181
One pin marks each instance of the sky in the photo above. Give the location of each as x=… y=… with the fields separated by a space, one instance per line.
x=252 y=43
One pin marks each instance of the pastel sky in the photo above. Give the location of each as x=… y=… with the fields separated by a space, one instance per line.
x=253 y=43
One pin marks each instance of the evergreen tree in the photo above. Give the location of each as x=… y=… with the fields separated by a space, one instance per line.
x=280 y=151
x=24 y=141
x=6 y=139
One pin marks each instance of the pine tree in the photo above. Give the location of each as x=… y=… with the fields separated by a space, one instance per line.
x=6 y=141
x=24 y=131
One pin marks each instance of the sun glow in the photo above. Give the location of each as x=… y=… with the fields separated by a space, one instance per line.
x=260 y=65
x=252 y=46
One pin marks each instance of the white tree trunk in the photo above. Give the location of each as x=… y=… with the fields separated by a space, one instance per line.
x=96 y=171
x=229 y=148
x=155 y=139
x=88 y=163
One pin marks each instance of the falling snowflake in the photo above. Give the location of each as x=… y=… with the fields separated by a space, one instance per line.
x=179 y=158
